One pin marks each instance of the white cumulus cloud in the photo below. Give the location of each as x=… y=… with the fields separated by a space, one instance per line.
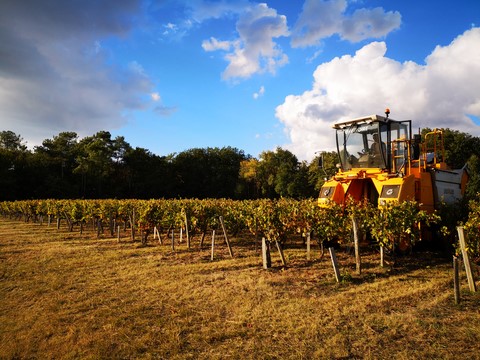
x=254 y=51
x=441 y=93
x=213 y=44
x=321 y=19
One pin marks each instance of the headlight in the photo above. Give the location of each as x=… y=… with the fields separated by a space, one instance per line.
x=327 y=192
x=390 y=191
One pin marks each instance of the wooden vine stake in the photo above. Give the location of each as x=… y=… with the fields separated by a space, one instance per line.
x=466 y=260
x=186 y=231
x=226 y=237
x=308 y=245
x=267 y=260
x=159 y=237
x=213 y=245
x=118 y=233
x=173 y=239
x=157 y=233
x=333 y=256
x=382 y=256
x=280 y=251
x=456 y=281
x=356 y=245
x=256 y=235
x=132 y=224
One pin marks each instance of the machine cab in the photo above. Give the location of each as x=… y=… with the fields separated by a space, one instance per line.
x=373 y=142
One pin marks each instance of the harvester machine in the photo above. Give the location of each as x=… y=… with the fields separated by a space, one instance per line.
x=381 y=162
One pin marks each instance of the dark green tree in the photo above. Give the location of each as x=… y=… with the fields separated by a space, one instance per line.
x=55 y=160
x=145 y=175
x=16 y=176
x=276 y=173
x=473 y=186
x=95 y=163
x=300 y=187
x=210 y=172
x=11 y=141
x=459 y=147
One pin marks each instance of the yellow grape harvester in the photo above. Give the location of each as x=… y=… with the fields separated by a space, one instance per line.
x=381 y=162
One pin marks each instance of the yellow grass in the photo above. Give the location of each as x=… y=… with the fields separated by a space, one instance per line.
x=68 y=296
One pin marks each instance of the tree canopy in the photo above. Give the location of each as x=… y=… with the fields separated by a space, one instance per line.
x=100 y=166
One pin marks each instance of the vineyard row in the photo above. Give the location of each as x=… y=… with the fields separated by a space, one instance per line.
x=273 y=219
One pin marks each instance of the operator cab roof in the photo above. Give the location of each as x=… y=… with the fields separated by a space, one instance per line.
x=341 y=124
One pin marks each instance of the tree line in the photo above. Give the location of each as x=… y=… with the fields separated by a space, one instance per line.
x=100 y=166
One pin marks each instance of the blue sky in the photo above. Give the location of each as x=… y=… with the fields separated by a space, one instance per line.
x=174 y=75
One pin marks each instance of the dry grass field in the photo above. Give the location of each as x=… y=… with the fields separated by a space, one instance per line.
x=70 y=296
